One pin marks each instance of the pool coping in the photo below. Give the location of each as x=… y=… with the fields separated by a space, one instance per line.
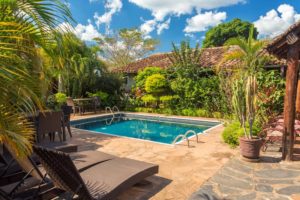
x=152 y=115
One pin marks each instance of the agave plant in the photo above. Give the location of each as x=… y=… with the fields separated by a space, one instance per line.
x=24 y=26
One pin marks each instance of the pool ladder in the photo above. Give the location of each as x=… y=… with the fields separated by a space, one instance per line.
x=185 y=137
x=112 y=110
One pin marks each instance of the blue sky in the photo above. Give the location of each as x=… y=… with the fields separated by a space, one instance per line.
x=176 y=20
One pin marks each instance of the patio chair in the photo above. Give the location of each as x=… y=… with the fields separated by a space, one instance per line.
x=71 y=103
x=50 y=122
x=105 y=180
x=97 y=103
x=273 y=131
x=67 y=110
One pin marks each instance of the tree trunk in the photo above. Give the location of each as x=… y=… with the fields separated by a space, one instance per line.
x=60 y=84
x=289 y=102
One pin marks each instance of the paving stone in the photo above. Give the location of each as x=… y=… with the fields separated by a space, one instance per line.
x=231 y=182
x=249 y=196
x=228 y=190
x=271 y=197
x=205 y=193
x=263 y=188
x=274 y=181
x=230 y=172
x=240 y=167
x=294 y=189
x=277 y=173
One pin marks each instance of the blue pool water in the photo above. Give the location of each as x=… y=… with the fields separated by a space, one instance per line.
x=163 y=132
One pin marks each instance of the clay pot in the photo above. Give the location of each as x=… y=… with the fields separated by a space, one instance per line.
x=250 y=148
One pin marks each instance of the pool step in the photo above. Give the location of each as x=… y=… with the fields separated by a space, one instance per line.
x=185 y=137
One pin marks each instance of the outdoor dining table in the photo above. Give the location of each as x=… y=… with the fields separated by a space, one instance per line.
x=83 y=102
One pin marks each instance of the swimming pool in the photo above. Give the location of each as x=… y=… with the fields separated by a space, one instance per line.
x=156 y=129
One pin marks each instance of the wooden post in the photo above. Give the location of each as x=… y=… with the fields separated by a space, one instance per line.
x=298 y=100
x=290 y=100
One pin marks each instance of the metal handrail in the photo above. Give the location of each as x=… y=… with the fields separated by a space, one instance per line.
x=192 y=132
x=181 y=137
x=107 y=109
x=115 y=109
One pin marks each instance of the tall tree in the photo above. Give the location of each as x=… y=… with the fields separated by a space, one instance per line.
x=218 y=35
x=125 y=47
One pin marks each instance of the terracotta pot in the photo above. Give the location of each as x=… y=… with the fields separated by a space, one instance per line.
x=250 y=148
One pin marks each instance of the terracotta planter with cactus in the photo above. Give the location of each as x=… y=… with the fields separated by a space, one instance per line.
x=244 y=103
x=250 y=148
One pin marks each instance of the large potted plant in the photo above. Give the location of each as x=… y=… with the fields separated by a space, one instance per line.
x=244 y=104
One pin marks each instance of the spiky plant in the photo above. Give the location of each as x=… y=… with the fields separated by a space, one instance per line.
x=251 y=98
x=185 y=56
x=250 y=61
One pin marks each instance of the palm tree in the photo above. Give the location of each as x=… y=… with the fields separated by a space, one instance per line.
x=244 y=91
x=24 y=26
x=248 y=54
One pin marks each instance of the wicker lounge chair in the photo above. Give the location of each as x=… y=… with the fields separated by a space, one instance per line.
x=105 y=180
x=17 y=183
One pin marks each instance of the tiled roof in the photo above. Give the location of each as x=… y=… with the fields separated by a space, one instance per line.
x=210 y=57
x=279 y=45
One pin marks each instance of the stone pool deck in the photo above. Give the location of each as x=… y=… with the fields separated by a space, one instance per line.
x=209 y=170
x=182 y=170
x=269 y=179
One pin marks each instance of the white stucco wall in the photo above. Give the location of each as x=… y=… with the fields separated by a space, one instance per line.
x=128 y=82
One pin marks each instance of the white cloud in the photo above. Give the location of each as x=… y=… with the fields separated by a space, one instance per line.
x=202 y=21
x=111 y=7
x=163 y=26
x=84 y=32
x=87 y=32
x=148 y=26
x=161 y=8
x=276 y=21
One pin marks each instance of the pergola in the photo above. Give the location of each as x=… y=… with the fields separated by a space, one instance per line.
x=287 y=46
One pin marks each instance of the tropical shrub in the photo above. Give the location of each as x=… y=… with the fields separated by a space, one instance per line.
x=142 y=76
x=189 y=112
x=169 y=101
x=60 y=98
x=234 y=131
x=271 y=91
x=149 y=99
x=156 y=84
x=103 y=96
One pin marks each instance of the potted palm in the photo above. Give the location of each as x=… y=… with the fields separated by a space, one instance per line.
x=244 y=88
x=244 y=104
